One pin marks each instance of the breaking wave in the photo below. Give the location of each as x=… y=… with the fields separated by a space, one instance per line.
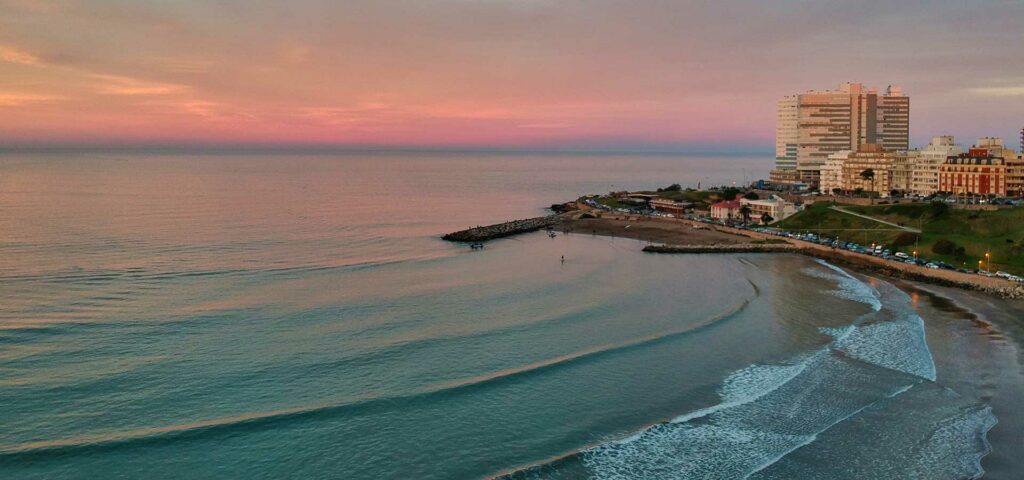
x=781 y=420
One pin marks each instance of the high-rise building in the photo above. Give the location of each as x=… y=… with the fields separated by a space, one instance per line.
x=893 y=119
x=835 y=120
x=925 y=169
x=786 y=137
x=786 y=133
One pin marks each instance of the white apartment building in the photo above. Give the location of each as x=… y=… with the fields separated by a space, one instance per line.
x=775 y=207
x=832 y=171
x=903 y=170
x=925 y=173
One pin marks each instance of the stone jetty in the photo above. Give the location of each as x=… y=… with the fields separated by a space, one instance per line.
x=479 y=234
x=730 y=248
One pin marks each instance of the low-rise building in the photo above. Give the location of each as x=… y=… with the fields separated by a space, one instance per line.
x=670 y=206
x=726 y=210
x=775 y=207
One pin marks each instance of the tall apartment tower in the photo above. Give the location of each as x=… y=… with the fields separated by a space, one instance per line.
x=786 y=133
x=830 y=121
x=893 y=124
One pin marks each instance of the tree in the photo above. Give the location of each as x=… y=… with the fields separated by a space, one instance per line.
x=869 y=175
x=752 y=196
x=944 y=247
x=837 y=191
x=745 y=212
x=766 y=219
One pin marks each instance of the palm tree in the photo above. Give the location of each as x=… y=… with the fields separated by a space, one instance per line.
x=869 y=174
x=766 y=219
x=745 y=212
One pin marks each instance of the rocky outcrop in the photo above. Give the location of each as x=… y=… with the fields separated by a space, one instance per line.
x=564 y=207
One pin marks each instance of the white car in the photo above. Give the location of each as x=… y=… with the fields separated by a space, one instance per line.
x=902 y=255
x=932 y=266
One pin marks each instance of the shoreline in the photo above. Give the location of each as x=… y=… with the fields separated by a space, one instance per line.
x=682 y=236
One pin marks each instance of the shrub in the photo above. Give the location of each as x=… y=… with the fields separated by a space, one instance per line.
x=938 y=209
x=905 y=239
x=752 y=196
x=944 y=247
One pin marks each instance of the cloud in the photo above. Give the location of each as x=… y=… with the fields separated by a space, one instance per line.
x=1009 y=91
x=14 y=99
x=123 y=85
x=15 y=55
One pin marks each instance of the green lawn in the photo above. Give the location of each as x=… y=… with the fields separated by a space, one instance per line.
x=1000 y=232
x=819 y=218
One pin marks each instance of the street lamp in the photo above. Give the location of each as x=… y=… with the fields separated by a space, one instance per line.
x=979 y=265
x=988 y=262
x=915 y=253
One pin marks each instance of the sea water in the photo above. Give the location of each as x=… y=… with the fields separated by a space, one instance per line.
x=296 y=316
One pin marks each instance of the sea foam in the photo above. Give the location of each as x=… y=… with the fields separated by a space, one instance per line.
x=769 y=411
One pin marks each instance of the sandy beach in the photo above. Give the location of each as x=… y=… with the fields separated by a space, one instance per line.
x=977 y=343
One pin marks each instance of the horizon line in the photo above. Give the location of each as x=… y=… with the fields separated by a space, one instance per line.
x=251 y=148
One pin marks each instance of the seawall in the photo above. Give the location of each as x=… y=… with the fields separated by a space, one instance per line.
x=735 y=248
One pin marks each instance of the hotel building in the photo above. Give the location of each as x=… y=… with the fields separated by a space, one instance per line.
x=977 y=172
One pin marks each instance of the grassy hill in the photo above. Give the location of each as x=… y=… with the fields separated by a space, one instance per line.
x=999 y=232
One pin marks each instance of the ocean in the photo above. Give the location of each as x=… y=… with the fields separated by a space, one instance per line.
x=297 y=316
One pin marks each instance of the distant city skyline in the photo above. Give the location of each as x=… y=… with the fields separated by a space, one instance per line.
x=538 y=75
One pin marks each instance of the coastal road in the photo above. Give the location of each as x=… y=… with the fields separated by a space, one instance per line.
x=901 y=227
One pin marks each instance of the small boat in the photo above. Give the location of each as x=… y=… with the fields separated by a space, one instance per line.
x=552 y=234
x=476 y=246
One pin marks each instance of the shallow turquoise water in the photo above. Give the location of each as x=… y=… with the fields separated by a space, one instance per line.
x=297 y=317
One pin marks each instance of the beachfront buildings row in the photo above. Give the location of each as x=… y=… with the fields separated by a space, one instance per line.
x=987 y=168
x=813 y=125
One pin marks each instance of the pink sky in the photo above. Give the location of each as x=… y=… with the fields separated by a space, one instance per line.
x=490 y=73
